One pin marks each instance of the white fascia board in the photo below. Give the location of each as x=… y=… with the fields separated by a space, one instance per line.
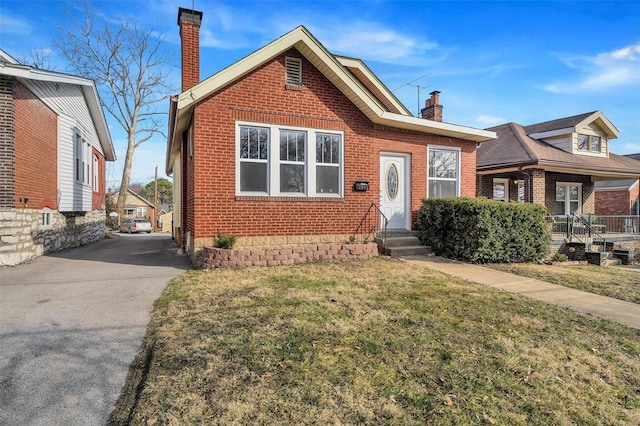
x=359 y=64
x=100 y=122
x=435 y=127
x=552 y=133
x=608 y=127
x=26 y=72
x=596 y=173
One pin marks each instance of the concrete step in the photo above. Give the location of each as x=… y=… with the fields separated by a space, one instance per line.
x=402 y=233
x=407 y=251
x=611 y=262
x=402 y=241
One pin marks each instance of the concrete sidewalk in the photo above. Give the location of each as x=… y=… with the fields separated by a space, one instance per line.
x=619 y=311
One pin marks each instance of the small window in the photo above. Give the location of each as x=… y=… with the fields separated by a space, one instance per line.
x=589 y=143
x=443 y=172
x=327 y=163
x=95 y=174
x=501 y=189
x=141 y=212
x=521 y=191
x=293 y=72
x=129 y=212
x=46 y=218
x=254 y=157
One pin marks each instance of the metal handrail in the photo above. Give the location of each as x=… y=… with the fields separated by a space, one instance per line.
x=587 y=225
x=371 y=228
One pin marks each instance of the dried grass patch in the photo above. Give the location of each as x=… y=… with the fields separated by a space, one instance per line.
x=378 y=342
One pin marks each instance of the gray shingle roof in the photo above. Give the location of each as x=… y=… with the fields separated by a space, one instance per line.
x=513 y=147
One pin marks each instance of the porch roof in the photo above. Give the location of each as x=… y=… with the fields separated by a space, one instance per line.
x=514 y=150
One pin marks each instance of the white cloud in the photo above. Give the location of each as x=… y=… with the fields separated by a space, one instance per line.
x=9 y=25
x=370 y=40
x=484 y=120
x=619 y=68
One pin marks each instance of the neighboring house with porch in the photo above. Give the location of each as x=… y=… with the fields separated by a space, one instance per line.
x=618 y=197
x=554 y=164
x=135 y=206
x=292 y=144
x=54 y=145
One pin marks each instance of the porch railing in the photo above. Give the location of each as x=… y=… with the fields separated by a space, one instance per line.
x=619 y=225
x=373 y=224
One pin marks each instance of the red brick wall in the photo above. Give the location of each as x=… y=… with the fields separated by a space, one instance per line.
x=588 y=198
x=261 y=97
x=615 y=202
x=36 y=151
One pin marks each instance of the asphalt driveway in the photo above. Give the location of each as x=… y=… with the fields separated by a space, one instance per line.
x=71 y=323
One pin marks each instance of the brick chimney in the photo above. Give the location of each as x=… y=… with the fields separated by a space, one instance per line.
x=432 y=109
x=189 y=22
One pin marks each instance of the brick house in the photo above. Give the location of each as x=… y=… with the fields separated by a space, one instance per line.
x=618 y=197
x=554 y=163
x=54 y=144
x=292 y=144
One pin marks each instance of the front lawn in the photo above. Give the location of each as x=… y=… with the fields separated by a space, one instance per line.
x=376 y=342
x=609 y=281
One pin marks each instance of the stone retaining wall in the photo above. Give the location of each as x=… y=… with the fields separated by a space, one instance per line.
x=24 y=237
x=211 y=257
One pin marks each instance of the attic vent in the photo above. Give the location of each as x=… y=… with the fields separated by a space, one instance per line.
x=294 y=73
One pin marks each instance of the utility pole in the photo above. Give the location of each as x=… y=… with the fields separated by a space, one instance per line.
x=155 y=202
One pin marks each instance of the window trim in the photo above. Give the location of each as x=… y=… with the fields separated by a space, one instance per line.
x=96 y=168
x=590 y=139
x=505 y=182
x=568 y=202
x=458 y=178
x=273 y=162
x=46 y=218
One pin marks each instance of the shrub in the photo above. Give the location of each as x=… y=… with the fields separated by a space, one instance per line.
x=224 y=241
x=560 y=257
x=481 y=231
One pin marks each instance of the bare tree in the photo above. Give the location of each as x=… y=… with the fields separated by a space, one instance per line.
x=130 y=66
x=39 y=58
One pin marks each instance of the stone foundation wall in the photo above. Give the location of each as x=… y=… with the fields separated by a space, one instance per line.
x=24 y=237
x=211 y=257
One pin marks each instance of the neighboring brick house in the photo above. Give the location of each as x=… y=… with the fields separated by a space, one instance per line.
x=618 y=197
x=270 y=148
x=554 y=163
x=54 y=144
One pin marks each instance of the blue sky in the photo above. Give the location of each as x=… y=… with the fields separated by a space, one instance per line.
x=493 y=62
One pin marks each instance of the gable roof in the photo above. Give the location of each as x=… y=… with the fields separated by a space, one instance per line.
x=625 y=184
x=358 y=84
x=11 y=67
x=515 y=148
x=571 y=124
x=135 y=194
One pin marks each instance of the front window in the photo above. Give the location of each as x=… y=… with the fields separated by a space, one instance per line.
x=568 y=198
x=521 y=192
x=443 y=172
x=327 y=163
x=292 y=163
x=293 y=169
x=254 y=155
x=501 y=189
x=141 y=212
x=589 y=143
x=129 y=212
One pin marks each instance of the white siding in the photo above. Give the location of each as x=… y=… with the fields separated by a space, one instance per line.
x=561 y=142
x=67 y=100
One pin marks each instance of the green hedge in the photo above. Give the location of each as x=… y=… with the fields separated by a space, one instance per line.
x=484 y=231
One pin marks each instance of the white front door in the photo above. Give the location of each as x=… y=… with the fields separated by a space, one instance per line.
x=395 y=184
